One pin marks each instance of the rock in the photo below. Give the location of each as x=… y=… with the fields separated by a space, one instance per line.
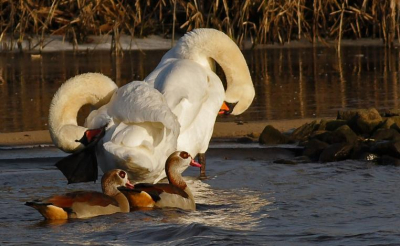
x=330 y=137
x=362 y=121
x=341 y=135
x=346 y=133
x=388 y=160
x=387 y=124
x=314 y=148
x=362 y=152
x=396 y=120
x=336 y=152
x=272 y=136
x=368 y=120
x=254 y=135
x=386 y=134
x=304 y=131
x=391 y=112
x=347 y=115
x=390 y=148
x=332 y=125
x=322 y=125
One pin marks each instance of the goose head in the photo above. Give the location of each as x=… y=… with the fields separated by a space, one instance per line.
x=113 y=179
x=176 y=163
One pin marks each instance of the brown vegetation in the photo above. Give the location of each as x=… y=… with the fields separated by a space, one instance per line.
x=260 y=21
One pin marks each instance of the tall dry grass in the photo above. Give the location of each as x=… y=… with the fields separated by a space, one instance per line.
x=260 y=21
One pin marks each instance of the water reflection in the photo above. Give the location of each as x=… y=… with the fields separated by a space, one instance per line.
x=290 y=83
x=241 y=208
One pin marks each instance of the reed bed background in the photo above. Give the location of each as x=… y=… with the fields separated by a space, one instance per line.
x=261 y=22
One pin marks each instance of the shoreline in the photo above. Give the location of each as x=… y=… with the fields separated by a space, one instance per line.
x=222 y=130
x=56 y=43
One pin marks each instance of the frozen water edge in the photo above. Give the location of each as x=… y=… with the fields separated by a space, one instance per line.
x=54 y=43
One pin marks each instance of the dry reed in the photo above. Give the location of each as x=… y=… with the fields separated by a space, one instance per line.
x=260 y=21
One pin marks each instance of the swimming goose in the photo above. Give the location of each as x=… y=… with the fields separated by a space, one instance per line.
x=85 y=204
x=175 y=194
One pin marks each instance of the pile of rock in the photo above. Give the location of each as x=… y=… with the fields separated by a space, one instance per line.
x=356 y=134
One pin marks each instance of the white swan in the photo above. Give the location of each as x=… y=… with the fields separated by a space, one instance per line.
x=142 y=131
x=194 y=92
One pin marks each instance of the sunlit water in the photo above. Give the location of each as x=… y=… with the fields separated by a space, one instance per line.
x=245 y=201
x=290 y=83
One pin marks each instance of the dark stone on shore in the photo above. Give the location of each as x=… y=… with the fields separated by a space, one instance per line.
x=361 y=121
x=272 y=136
x=332 y=125
x=330 y=137
x=304 y=131
x=390 y=148
x=347 y=115
x=388 y=160
x=391 y=112
x=340 y=135
x=362 y=151
x=367 y=120
x=346 y=132
x=396 y=120
x=336 y=152
x=386 y=134
x=388 y=124
x=314 y=148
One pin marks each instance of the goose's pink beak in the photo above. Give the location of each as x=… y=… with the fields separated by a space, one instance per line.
x=194 y=163
x=129 y=185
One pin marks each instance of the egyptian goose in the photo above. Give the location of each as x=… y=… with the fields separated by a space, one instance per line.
x=85 y=204
x=175 y=194
x=142 y=123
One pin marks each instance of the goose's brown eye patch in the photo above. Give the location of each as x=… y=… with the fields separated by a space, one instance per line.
x=122 y=174
x=184 y=155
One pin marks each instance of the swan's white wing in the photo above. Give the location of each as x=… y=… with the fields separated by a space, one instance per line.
x=184 y=85
x=142 y=131
x=138 y=102
x=194 y=94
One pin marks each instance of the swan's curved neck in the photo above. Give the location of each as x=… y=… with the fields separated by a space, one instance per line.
x=202 y=44
x=90 y=88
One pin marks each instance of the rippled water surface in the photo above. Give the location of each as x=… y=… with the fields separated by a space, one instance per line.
x=247 y=200
x=290 y=83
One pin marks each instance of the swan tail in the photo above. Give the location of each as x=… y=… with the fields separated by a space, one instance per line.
x=89 y=88
x=201 y=44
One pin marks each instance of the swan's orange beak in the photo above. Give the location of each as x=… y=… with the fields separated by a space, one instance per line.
x=224 y=109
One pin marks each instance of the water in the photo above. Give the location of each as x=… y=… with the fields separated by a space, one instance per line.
x=290 y=83
x=247 y=200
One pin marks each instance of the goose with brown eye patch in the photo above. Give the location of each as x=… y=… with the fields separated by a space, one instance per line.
x=176 y=194
x=85 y=204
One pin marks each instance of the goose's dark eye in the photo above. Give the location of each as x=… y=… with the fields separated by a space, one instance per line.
x=122 y=174
x=184 y=155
